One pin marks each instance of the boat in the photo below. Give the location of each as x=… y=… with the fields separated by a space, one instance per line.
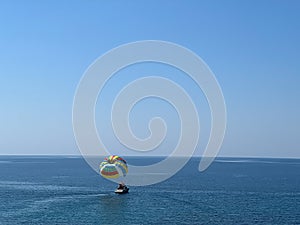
x=122 y=189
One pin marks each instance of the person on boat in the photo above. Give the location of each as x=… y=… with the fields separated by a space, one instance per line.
x=121 y=186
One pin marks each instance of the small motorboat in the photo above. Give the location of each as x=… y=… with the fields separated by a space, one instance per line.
x=122 y=189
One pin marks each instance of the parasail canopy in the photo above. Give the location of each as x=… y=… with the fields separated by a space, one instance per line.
x=113 y=167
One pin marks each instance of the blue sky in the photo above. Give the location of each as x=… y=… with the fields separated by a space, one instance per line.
x=252 y=47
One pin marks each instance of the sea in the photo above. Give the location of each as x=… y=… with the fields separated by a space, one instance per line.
x=65 y=190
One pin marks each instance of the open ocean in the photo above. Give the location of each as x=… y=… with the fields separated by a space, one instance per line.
x=65 y=190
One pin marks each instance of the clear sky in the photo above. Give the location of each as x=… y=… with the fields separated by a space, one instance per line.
x=252 y=47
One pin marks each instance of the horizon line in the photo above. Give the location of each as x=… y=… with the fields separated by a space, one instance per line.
x=194 y=156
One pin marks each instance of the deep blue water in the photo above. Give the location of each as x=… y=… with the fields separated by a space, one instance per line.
x=61 y=190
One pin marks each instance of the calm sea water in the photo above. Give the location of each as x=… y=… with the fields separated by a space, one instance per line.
x=61 y=190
